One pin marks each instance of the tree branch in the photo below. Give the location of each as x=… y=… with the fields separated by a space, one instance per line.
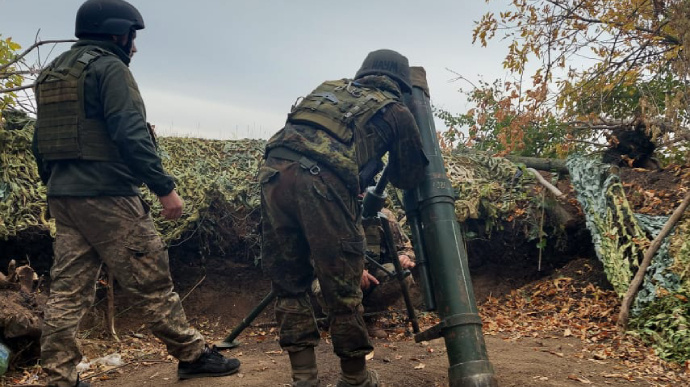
x=555 y=191
x=28 y=50
x=18 y=88
x=572 y=15
x=22 y=72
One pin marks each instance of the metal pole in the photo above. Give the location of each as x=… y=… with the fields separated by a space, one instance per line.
x=393 y=254
x=374 y=200
x=230 y=342
x=410 y=203
x=460 y=324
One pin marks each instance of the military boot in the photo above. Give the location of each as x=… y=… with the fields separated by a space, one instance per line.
x=374 y=330
x=304 y=371
x=80 y=383
x=355 y=374
x=210 y=363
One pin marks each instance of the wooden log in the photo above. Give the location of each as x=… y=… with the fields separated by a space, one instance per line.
x=624 y=315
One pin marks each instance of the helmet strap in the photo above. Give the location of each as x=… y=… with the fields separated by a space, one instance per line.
x=127 y=47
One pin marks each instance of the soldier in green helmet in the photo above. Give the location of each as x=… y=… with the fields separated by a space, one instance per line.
x=94 y=150
x=311 y=220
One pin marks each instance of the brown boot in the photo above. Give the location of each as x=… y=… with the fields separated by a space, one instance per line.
x=375 y=331
x=355 y=374
x=304 y=371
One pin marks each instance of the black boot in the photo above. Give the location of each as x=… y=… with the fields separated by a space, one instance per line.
x=80 y=383
x=210 y=363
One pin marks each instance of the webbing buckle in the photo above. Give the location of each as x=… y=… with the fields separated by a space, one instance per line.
x=86 y=58
x=309 y=165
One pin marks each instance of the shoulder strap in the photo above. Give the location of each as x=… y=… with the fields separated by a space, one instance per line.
x=85 y=60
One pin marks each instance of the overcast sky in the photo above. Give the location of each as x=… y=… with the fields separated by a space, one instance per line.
x=231 y=69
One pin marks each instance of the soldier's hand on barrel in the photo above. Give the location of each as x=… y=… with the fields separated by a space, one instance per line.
x=368 y=280
x=172 y=205
x=406 y=262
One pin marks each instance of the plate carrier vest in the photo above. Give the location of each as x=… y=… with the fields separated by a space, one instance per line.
x=340 y=107
x=64 y=132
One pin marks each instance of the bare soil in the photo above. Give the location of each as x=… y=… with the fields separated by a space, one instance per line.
x=528 y=362
x=218 y=293
x=229 y=292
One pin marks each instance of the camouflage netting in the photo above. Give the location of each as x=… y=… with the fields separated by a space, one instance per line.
x=661 y=311
x=22 y=198
x=217 y=180
x=487 y=188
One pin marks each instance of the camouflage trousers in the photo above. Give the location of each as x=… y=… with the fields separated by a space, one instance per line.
x=310 y=226
x=119 y=232
x=377 y=298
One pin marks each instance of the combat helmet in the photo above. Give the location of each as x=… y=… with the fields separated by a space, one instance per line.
x=107 y=17
x=387 y=62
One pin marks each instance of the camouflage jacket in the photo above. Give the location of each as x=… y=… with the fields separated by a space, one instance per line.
x=392 y=129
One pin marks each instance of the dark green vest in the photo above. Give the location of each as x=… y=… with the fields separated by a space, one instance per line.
x=340 y=107
x=64 y=133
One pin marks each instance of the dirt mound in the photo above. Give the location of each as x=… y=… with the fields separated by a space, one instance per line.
x=20 y=313
x=655 y=192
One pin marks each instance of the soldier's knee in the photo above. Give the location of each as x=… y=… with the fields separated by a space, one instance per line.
x=297 y=305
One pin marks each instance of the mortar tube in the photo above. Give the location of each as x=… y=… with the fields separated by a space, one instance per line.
x=460 y=324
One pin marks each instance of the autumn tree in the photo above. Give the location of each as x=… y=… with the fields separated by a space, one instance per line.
x=10 y=77
x=601 y=65
x=499 y=124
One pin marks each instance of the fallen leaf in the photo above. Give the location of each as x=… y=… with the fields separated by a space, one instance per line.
x=579 y=379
